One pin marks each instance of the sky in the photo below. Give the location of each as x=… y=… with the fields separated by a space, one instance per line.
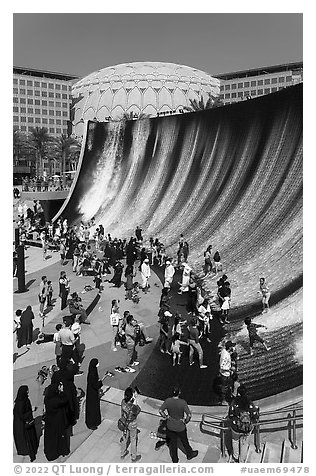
x=81 y=43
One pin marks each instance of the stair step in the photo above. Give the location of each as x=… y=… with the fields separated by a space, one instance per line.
x=289 y=455
x=253 y=456
x=272 y=453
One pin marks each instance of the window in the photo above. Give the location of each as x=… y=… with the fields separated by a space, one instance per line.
x=273 y=90
x=58 y=95
x=260 y=82
x=246 y=84
x=69 y=88
x=44 y=120
x=37 y=120
x=23 y=128
x=227 y=87
x=246 y=93
x=37 y=84
x=23 y=110
x=15 y=118
x=288 y=79
x=37 y=102
x=15 y=81
x=221 y=96
x=37 y=93
x=44 y=85
x=58 y=130
x=281 y=79
x=64 y=123
x=234 y=86
x=15 y=90
x=57 y=86
x=64 y=87
x=52 y=130
x=30 y=101
x=227 y=96
x=240 y=94
x=234 y=95
x=23 y=119
x=44 y=112
x=253 y=92
x=65 y=131
x=65 y=104
x=15 y=100
x=22 y=91
x=260 y=91
x=65 y=113
x=51 y=112
x=23 y=101
x=51 y=86
x=51 y=103
x=266 y=90
x=30 y=119
x=29 y=83
x=267 y=81
x=240 y=85
x=22 y=82
x=58 y=104
x=253 y=83
x=64 y=96
x=222 y=88
x=51 y=95
x=29 y=92
x=58 y=113
x=51 y=121
x=44 y=103
x=44 y=94
x=58 y=121
x=15 y=109
x=274 y=80
x=30 y=110
x=37 y=111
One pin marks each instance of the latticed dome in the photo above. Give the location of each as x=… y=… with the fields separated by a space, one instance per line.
x=137 y=90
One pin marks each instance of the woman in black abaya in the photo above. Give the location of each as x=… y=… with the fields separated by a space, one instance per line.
x=24 y=432
x=57 y=426
x=93 y=412
x=25 y=334
x=66 y=375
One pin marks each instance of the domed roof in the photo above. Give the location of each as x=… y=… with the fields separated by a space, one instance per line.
x=139 y=89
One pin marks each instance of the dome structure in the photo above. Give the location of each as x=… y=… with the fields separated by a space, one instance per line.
x=135 y=90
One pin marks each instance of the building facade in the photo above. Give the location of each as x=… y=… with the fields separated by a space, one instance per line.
x=41 y=99
x=249 y=84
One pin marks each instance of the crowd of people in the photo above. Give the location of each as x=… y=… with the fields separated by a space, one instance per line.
x=46 y=184
x=178 y=334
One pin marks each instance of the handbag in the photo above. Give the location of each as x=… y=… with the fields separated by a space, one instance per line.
x=122 y=423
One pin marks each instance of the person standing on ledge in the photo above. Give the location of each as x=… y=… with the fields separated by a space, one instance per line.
x=177 y=413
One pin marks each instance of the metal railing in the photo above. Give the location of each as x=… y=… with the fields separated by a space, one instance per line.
x=49 y=185
x=294 y=415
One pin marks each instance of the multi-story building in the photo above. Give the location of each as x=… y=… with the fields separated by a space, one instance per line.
x=41 y=99
x=251 y=83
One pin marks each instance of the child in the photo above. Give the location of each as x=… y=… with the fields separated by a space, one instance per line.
x=253 y=336
x=98 y=280
x=49 y=293
x=115 y=321
x=135 y=291
x=57 y=342
x=175 y=348
x=264 y=290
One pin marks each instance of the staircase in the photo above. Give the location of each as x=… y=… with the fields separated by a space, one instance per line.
x=272 y=453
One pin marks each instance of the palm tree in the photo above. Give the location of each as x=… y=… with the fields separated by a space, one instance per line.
x=20 y=146
x=201 y=104
x=66 y=149
x=39 y=141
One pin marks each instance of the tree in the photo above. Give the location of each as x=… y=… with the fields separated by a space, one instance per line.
x=66 y=149
x=39 y=141
x=21 y=148
x=201 y=104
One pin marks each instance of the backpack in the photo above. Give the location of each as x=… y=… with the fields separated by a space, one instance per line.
x=242 y=421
